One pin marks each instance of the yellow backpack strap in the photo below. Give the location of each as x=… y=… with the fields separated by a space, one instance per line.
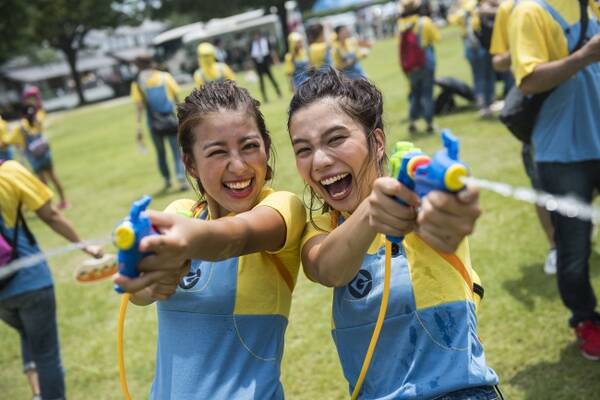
x=283 y=271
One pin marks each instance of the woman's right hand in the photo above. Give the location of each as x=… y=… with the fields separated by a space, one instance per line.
x=386 y=214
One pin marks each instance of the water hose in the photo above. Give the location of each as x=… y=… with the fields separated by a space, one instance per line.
x=120 y=353
x=379 y=323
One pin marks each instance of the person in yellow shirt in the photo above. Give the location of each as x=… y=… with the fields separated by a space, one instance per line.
x=209 y=69
x=319 y=51
x=6 y=151
x=501 y=62
x=421 y=77
x=296 y=61
x=156 y=92
x=243 y=240
x=27 y=302
x=468 y=17
x=347 y=53
x=551 y=53
x=29 y=136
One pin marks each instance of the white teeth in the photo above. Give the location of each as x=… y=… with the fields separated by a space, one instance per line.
x=333 y=179
x=238 y=185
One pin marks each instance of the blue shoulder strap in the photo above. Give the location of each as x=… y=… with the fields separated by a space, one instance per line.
x=557 y=17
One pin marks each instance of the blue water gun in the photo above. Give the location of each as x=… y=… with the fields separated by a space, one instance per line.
x=422 y=174
x=127 y=237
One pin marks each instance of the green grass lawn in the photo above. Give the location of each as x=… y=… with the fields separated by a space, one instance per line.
x=523 y=323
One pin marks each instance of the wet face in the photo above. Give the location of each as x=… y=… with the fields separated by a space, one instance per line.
x=230 y=161
x=332 y=154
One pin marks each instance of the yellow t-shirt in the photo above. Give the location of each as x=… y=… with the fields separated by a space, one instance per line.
x=156 y=78
x=18 y=185
x=3 y=134
x=467 y=9
x=261 y=288
x=24 y=127
x=535 y=38
x=429 y=32
x=428 y=268
x=317 y=53
x=218 y=70
x=351 y=47
x=499 y=44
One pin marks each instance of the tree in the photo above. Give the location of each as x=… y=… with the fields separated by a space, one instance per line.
x=15 y=29
x=63 y=24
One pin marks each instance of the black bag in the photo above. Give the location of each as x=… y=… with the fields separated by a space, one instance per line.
x=163 y=124
x=520 y=111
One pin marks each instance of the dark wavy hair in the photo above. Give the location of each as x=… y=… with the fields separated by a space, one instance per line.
x=358 y=98
x=214 y=97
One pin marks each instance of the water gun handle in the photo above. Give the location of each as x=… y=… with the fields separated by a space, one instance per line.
x=127 y=237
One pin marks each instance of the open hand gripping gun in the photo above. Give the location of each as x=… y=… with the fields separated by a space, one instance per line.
x=422 y=174
x=127 y=237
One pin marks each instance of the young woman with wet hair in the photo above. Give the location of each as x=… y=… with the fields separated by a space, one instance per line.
x=221 y=330
x=428 y=347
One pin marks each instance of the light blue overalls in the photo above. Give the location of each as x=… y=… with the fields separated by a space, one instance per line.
x=421 y=353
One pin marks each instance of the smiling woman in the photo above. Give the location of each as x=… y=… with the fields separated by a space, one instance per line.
x=225 y=277
x=428 y=346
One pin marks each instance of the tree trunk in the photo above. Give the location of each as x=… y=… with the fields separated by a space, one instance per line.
x=71 y=56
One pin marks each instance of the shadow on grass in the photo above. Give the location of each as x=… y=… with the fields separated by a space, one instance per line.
x=571 y=377
x=533 y=283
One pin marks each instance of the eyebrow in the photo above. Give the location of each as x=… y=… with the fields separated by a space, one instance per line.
x=222 y=143
x=327 y=132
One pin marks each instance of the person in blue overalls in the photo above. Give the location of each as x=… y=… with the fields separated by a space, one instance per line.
x=296 y=61
x=347 y=53
x=428 y=346
x=566 y=135
x=220 y=334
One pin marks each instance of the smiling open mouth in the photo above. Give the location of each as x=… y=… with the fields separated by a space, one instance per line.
x=338 y=186
x=239 y=188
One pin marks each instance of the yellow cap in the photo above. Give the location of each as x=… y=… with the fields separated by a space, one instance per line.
x=453 y=175
x=206 y=49
x=124 y=236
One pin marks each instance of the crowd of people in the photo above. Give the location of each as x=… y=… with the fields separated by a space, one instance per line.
x=224 y=265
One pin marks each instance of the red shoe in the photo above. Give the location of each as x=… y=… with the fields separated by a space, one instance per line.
x=64 y=205
x=588 y=335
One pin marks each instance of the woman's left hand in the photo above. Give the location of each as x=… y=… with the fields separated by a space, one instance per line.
x=445 y=219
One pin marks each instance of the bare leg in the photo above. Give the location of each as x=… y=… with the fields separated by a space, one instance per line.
x=42 y=176
x=34 y=383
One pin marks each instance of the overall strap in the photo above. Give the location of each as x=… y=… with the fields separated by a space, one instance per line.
x=584 y=20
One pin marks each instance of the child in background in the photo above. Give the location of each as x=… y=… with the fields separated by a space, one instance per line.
x=29 y=136
x=428 y=346
x=220 y=335
x=421 y=77
x=296 y=61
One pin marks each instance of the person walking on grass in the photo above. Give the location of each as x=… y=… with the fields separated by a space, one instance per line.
x=155 y=92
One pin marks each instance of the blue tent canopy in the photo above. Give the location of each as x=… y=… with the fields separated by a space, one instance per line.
x=324 y=5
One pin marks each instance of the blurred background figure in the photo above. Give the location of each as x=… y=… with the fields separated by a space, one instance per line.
x=475 y=36
x=29 y=136
x=262 y=57
x=296 y=61
x=209 y=68
x=220 y=52
x=6 y=150
x=347 y=53
x=418 y=34
x=155 y=92
x=319 y=51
